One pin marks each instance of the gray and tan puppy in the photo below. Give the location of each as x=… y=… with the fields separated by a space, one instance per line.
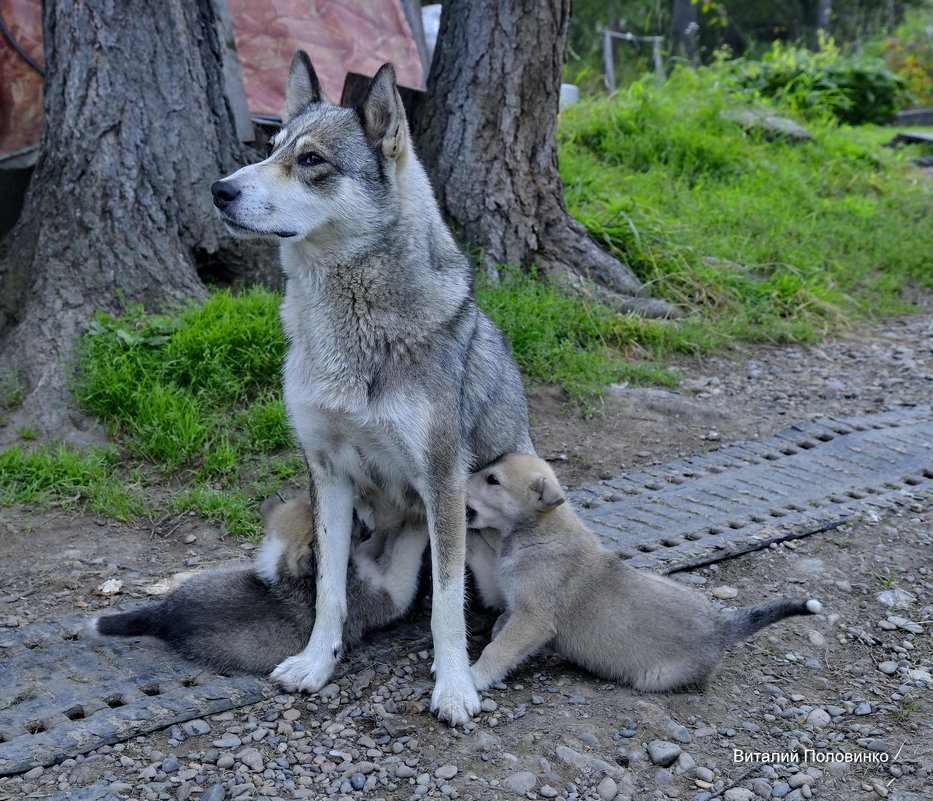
x=247 y=618
x=560 y=585
x=396 y=383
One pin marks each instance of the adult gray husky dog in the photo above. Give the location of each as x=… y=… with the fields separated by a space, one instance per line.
x=396 y=383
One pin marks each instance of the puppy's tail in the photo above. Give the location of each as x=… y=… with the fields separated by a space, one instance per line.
x=742 y=624
x=128 y=624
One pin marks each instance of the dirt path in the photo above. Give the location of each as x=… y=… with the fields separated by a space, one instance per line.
x=848 y=681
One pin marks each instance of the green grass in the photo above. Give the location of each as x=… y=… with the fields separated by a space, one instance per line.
x=756 y=239
x=61 y=476
x=569 y=341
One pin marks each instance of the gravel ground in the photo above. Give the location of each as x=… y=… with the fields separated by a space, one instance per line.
x=851 y=683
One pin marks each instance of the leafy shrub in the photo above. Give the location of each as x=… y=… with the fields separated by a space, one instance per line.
x=909 y=53
x=855 y=90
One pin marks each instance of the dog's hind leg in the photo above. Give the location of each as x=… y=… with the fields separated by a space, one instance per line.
x=332 y=507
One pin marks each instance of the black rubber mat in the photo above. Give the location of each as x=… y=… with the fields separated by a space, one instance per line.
x=810 y=477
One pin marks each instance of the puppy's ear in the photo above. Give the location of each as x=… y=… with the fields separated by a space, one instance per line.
x=303 y=87
x=383 y=114
x=270 y=504
x=550 y=495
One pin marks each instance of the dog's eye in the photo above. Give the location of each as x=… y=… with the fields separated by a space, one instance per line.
x=310 y=160
x=491 y=479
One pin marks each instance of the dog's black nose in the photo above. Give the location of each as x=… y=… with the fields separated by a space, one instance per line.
x=224 y=194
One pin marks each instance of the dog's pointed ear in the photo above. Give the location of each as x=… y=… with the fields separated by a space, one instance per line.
x=383 y=114
x=270 y=504
x=550 y=495
x=303 y=87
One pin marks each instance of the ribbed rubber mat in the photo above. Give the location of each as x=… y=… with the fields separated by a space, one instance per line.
x=809 y=477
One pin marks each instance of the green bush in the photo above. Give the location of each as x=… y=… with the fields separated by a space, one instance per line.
x=854 y=90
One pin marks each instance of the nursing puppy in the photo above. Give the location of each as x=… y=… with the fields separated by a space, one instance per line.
x=560 y=585
x=247 y=618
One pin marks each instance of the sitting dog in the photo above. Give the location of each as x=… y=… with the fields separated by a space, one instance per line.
x=247 y=618
x=560 y=585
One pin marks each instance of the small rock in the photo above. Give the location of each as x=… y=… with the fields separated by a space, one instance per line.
x=329 y=692
x=663 y=753
x=607 y=789
x=896 y=598
x=819 y=718
x=195 y=727
x=488 y=705
x=780 y=789
x=446 y=772
x=228 y=741
x=404 y=772
x=547 y=791
x=170 y=764
x=816 y=638
x=521 y=782
x=215 y=793
x=252 y=759
x=799 y=780
x=724 y=593
x=738 y=794
x=888 y=667
x=863 y=708
x=225 y=761
x=357 y=781
x=291 y=714
x=704 y=774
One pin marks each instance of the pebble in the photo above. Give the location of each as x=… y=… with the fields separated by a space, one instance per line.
x=819 y=718
x=888 y=667
x=194 y=728
x=357 y=781
x=799 y=780
x=704 y=774
x=607 y=789
x=547 y=791
x=780 y=789
x=252 y=759
x=738 y=794
x=446 y=772
x=724 y=593
x=215 y=792
x=170 y=764
x=663 y=753
x=816 y=638
x=488 y=705
x=521 y=782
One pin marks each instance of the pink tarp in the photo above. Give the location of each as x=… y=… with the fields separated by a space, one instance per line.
x=341 y=36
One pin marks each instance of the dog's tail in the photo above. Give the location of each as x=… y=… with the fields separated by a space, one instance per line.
x=742 y=624
x=128 y=624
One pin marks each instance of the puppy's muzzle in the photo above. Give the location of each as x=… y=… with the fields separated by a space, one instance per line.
x=224 y=194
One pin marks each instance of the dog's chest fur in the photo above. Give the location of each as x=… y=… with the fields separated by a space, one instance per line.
x=351 y=378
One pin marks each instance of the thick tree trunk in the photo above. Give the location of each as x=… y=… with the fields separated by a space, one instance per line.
x=488 y=137
x=683 y=29
x=119 y=209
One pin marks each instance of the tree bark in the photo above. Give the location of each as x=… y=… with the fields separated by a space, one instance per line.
x=488 y=136
x=137 y=128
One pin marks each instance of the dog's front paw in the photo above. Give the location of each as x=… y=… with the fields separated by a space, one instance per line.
x=303 y=673
x=455 y=704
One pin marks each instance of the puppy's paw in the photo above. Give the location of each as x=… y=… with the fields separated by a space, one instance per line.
x=303 y=673
x=480 y=680
x=455 y=704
